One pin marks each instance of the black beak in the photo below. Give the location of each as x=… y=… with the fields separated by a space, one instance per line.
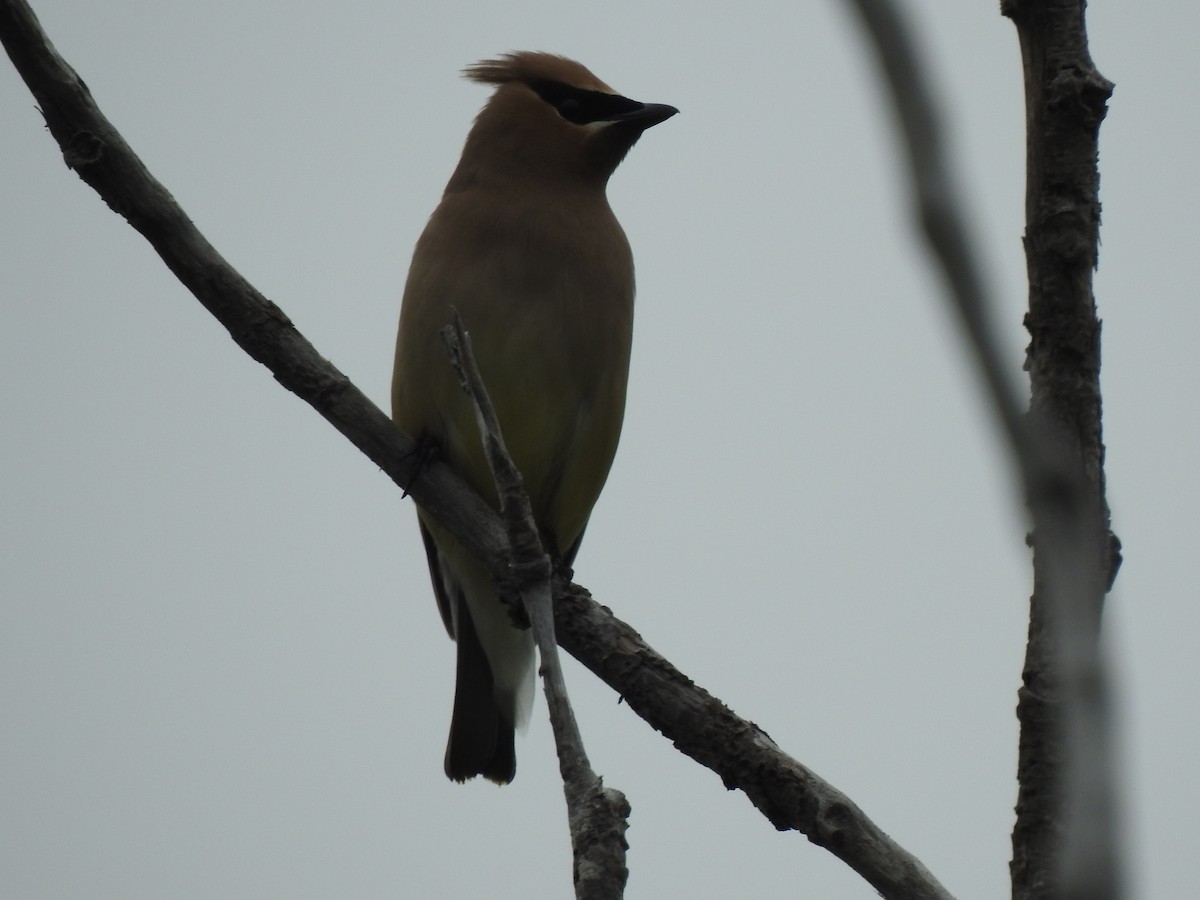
x=646 y=116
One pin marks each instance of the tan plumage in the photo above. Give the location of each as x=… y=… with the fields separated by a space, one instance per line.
x=525 y=245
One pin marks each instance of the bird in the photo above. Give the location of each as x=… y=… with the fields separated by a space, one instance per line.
x=526 y=247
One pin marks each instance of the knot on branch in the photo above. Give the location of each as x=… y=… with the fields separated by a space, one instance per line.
x=1081 y=91
x=83 y=149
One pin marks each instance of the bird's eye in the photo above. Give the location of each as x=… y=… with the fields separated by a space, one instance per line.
x=581 y=106
x=571 y=110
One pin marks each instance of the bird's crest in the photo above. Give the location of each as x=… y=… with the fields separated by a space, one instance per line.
x=531 y=67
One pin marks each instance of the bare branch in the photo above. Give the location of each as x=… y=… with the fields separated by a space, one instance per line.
x=1065 y=842
x=940 y=208
x=1065 y=753
x=94 y=149
x=597 y=816
x=791 y=796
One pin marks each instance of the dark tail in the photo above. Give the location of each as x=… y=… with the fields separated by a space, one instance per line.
x=481 y=738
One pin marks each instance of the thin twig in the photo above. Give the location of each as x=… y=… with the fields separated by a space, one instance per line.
x=597 y=816
x=940 y=210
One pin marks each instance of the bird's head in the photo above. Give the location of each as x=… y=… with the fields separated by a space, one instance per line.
x=551 y=120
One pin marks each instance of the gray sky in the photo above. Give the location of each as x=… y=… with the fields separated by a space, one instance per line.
x=221 y=669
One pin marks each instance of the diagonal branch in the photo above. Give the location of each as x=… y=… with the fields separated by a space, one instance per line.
x=941 y=211
x=788 y=794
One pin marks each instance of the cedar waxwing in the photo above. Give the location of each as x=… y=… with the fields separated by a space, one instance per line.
x=525 y=245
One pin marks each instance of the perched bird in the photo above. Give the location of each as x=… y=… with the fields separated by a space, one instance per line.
x=524 y=244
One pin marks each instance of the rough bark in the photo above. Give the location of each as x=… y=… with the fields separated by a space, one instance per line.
x=1065 y=103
